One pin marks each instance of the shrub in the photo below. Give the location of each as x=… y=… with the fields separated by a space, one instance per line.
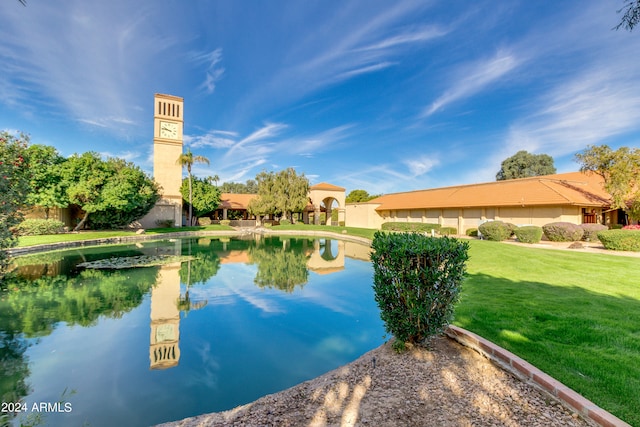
x=529 y=234
x=615 y=226
x=472 y=232
x=417 y=281
x=447 y=231
x=39 y=227
x=204 y=221
x=285 y=222
x=495 y=230
x=225 y=222
x=164 y=223
x=591 y=231
x=563 y=231
x=631 y=227
x=620 y=240
x=418 y=227
x=268 y=224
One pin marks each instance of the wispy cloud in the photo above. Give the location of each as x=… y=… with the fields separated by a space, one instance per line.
x=420 y=165
x=213 y=139
x=585 y=110
x=474 y=78
x=213 y=72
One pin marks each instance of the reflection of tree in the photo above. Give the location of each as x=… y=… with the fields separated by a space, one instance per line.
x=199 y=270
x=281 y=264
x=32 y=307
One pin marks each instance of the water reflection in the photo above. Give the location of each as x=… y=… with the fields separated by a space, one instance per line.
x=47 y=292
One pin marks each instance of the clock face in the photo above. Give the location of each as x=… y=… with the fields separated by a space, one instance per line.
x=168 y=130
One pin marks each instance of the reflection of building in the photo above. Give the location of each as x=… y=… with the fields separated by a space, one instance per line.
x=164 y=349
x=323 y=260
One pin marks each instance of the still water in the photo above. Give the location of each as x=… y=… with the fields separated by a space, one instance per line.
x=233 y=320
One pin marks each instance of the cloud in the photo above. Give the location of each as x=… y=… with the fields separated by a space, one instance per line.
x=420 y=165
x=213 y=139
x=474 y=78
x=213 y=73
x=584 y=110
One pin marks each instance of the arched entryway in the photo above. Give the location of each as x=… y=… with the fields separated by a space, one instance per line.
x=326 y=198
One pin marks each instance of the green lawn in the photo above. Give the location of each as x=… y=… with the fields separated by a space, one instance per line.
x=89 y=235
x=573 y=315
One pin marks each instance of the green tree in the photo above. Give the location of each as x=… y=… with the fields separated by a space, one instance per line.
x=281 y=264
x=620 y=170
x=250 y=187
x=524 y=165
x=14 y=188
x=111 y=193
x=46 y=180
x=205 y=196
x=280 y=193
x=187 y=160
x=631 y=15
x=356 y=196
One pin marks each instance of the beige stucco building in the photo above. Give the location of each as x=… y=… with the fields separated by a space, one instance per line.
x=572 y=197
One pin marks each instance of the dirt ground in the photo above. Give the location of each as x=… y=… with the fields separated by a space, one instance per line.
x=446 y=385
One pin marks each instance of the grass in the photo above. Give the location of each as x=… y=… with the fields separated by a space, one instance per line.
x=89 y=235
x=572 y=315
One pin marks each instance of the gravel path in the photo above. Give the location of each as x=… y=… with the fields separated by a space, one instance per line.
x=447 y=385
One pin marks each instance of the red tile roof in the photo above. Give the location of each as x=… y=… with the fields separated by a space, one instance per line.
x=326 y=186
x=574 y=188
x=236 y=200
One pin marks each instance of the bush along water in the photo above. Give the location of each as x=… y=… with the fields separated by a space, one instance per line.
x=417 y=281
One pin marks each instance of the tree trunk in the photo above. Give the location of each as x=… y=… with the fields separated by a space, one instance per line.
x=82 y=222
x=190 y=202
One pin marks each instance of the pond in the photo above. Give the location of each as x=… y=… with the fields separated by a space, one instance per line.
x=221 y=322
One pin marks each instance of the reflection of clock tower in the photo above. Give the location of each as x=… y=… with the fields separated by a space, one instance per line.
x=168 y=122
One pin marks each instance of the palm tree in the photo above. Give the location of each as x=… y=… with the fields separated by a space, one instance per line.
x=188 y=159
x=212 y=179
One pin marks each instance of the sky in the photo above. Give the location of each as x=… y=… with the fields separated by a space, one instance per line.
x=364 y=94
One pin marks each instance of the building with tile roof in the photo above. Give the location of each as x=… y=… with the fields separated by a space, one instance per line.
x=572 y=197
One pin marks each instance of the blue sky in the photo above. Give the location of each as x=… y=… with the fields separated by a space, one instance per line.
x=374 y=95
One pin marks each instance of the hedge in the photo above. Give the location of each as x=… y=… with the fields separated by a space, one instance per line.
x=417 y=227
x=591 y=231
x=496 y=230
x=528 y=234
x=562 y=232
x=620 y=240
x=39 y=227
x=417 y=281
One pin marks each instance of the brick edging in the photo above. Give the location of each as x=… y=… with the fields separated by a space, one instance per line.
x=526 y=371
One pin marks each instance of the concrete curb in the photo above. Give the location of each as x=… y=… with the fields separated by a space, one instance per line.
x=532 y=375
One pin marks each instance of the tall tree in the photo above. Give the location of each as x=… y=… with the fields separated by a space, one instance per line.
x=620 y=170
x=206 y=196
x=250 y=187
x=524 y=165
x=14 y=188
x=280 y=193
x=46 y=181
x=187 y=160
x=356 y=196
x=631 y=15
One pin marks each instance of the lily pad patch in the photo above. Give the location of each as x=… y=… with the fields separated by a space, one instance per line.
x=117 y=263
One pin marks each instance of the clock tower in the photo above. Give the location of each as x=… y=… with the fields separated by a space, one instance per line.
x=168 y=120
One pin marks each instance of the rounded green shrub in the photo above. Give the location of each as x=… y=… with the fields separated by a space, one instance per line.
x=563 y=232
x=225 y=222
x=471 y=232
x=39 y=227
x=591 y=231
x=285 y=222
x=528 y=234
x=417 y=281
x=204 y=221
x=495 y=230
x=620 y=240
